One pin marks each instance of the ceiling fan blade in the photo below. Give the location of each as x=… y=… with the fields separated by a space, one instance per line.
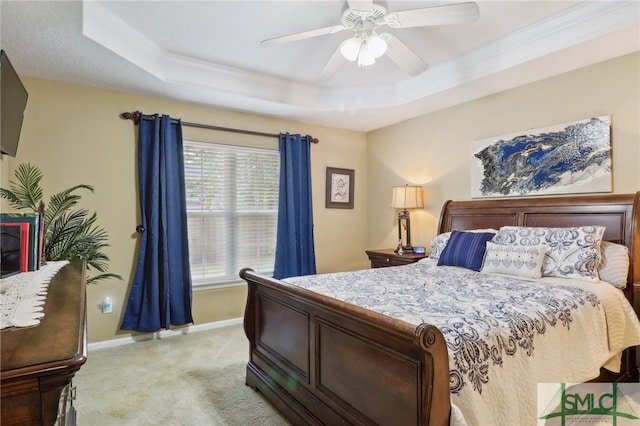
x=360 y=4
x=403 y=56
x=303 y=35
x=335 y=62
x=437 y=15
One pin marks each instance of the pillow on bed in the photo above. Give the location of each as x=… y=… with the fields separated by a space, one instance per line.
x=438 y=244
x=465 y=249
x=440 y=241
x=522 y=261
x=574 y=252
x=614 y=266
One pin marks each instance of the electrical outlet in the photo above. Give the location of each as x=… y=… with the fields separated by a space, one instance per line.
x=106 y=306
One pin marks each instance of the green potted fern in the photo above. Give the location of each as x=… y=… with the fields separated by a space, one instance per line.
x=70 y=233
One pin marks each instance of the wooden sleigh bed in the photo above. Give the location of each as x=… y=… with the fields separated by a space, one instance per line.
x=323 y=361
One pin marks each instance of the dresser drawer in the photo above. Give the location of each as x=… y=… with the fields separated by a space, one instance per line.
x=387 y=257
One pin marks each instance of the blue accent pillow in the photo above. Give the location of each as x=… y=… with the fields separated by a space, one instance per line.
x=465 y=249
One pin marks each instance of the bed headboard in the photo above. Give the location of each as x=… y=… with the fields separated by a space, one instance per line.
x=619 y=213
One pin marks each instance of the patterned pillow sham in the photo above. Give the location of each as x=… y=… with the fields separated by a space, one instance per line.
x=614 y=265
x=465 y=249
x=522 y=261
x=438 y=244
x=440 y=241
x=574 y=252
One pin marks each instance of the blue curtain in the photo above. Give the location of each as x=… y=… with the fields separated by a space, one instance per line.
x=295 y=252
x=161 y=291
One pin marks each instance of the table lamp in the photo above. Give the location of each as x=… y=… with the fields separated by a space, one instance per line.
x=405 y=198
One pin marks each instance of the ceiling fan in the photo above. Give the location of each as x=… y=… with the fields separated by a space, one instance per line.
x=364 y=18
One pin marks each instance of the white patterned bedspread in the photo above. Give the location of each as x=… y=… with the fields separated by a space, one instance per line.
x=504 y=334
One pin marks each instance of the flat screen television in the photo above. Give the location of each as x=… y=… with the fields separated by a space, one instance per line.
x=13 y=101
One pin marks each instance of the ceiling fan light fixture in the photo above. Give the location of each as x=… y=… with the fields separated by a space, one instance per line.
x=363 y=49
x=376 y=46
x=365 y=61
x=351 y=48
x=365 y=58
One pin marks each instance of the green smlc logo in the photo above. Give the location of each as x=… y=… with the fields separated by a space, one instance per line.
x=589 y=403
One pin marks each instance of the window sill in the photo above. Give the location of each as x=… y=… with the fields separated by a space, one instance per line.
x=217 y=285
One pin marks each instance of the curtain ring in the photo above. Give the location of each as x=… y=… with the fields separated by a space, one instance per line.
x=139 y=229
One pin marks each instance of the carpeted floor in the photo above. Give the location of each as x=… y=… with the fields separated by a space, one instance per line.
x=192 y=379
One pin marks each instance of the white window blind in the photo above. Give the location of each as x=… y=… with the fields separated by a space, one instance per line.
x=232 y=207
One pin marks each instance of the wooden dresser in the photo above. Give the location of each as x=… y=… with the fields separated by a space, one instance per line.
x=39 y=362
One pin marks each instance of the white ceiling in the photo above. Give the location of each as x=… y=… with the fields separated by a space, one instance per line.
x=209 y=52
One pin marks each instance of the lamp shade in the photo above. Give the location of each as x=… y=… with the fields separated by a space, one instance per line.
x=377 y=46
x=407 y=197
x=364 y=57
x=364 y=49
x=350 y=48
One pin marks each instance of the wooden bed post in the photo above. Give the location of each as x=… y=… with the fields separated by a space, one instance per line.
x=437 y=403
x=634 y=244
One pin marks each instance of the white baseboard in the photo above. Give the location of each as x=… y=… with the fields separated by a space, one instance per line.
x=161 y=334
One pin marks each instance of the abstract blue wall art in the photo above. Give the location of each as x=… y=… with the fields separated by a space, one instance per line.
x=566 y=158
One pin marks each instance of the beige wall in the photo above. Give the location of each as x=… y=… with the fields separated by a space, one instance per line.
x=74 y=135
x=433 y=150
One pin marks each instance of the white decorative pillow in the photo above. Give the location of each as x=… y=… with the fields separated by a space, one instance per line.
x=513 y=259
x=439 y=242
x=614 y=266
x=573 y=252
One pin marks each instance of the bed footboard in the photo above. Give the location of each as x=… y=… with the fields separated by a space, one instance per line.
x=323 y=361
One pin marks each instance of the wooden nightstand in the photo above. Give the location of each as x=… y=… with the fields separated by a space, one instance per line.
x=387 y=257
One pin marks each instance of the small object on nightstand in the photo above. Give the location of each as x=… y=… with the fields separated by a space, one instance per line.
x=399 y=249
x=419 y=249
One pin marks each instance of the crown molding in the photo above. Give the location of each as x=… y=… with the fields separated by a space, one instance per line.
x=569 y=28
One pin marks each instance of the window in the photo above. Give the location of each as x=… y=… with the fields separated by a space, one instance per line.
x=232 y=208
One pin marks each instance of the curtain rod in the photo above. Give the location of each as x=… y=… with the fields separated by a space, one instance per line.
x=136 y=116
